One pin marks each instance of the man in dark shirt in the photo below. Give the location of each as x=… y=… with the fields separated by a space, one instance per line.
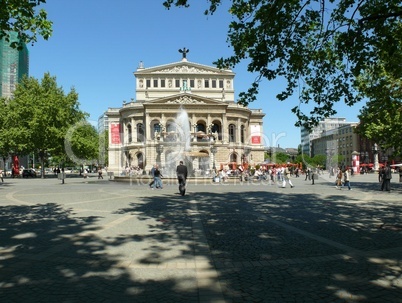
x=387 y=176
x=181 y=172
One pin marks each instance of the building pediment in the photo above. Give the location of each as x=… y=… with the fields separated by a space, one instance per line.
x=185 y=99
x=183 y=67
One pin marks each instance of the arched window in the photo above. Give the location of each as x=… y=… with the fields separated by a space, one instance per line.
x=233 y=161
x=140 y=132
x=216 y=128
x=200 y=128
x=232 y=133
x=157 y=128
x=170 y=127
x=129 y=133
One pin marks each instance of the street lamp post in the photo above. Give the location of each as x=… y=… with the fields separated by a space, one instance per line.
x=213 y=151
x=160 y=131
x=375 y=152
x=329 y=152
x=362 y=157
x=195 y=132
x=247 y=151
x=384 y=155
x=211 y=132
x=159 y=151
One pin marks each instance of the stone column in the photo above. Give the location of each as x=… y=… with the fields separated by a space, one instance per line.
x=224 y=129
x=147 y=128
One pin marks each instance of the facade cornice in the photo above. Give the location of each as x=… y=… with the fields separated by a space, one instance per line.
x=184 y=67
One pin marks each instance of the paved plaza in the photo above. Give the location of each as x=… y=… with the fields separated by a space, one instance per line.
x=91 y=240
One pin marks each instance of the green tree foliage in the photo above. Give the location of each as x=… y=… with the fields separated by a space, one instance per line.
x=5 y=149
x=39 y=116
x=82 y=143
x=320 y=47
x=103 y=148
x=319 y=160
x=23 y=17
x=302 y=158
x=337 y=160
x=381 y=117
x=280 y=158
x=307 y=161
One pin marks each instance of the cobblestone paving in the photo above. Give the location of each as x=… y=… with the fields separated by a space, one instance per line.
x=102 y=241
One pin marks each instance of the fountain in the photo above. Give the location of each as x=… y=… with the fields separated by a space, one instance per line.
x=182 y=128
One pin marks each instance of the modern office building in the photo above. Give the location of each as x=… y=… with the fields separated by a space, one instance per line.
x=184 y=110
x=341 y=141
x=323 y=126
x=103 y=123
x=14 y=64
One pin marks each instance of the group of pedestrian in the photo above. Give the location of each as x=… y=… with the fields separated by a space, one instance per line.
x=182 y=174
x=280 y=175
x=312 y=174
x=283 y=177
x=342 y=178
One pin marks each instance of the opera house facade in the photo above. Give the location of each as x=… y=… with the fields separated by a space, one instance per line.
x=184 y=110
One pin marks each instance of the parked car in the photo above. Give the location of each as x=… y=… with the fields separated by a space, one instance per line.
x=26 y=173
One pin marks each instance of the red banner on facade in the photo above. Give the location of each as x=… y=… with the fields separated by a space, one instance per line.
x=256 y=140
x=115 y=133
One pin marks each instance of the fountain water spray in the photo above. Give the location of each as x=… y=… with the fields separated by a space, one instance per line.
x=183 y=147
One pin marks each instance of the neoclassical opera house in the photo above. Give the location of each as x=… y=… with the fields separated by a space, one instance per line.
x=184 y=110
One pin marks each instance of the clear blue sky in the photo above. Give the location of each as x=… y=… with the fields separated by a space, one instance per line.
x=97 y=45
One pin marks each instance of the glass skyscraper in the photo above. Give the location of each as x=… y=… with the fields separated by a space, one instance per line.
x=14 y=64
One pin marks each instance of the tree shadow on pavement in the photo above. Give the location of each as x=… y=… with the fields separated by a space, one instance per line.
x=48 y=254
x=282 y=247
x=265 y=247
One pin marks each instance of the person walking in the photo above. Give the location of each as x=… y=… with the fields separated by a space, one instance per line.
x=100 y=173
x=181 y=171
x=152 y=173
x=386 y=179
x=308 y=172
x=157 y=178
x=346 y=179
x=287 y=177
x=1 y=175
x=381 y=177
x=314 y=176
x=339 y=179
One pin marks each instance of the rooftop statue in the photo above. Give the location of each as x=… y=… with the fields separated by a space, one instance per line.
x=184 y=51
